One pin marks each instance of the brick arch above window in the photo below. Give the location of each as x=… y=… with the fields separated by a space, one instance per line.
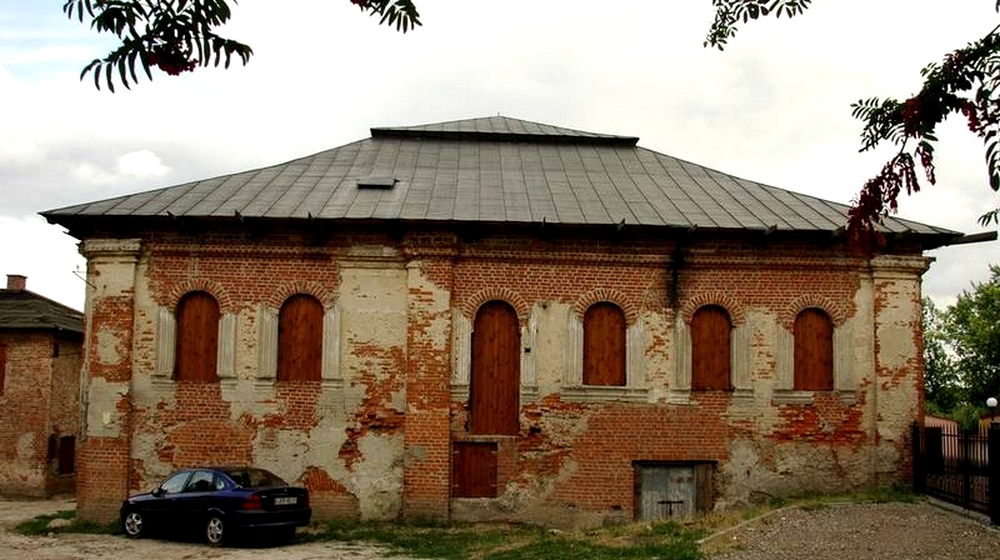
x=733 y=307
x=600 y=295
x=507 y=295
x=323 y=294
x=212 y=288
x=836 y=312
x=167 y=335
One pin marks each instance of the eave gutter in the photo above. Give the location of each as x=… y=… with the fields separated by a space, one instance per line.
x=972 y=238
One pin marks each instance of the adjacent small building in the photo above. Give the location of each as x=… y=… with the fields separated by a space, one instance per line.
x=497 y=319
x=41 y=343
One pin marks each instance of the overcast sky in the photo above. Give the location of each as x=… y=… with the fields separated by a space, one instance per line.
x=774 y=107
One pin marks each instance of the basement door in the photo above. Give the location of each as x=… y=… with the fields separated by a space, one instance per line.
x=474 y=469
x=665 y=491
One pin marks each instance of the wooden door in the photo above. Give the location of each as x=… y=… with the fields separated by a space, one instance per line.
x=665 y=492
x=710 y=349
x=813 y=351
x=604 y=345
x=494 y=391
x=474 y=469
x=300 y=339
x=197 y=338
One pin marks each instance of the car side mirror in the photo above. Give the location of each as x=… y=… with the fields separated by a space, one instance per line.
x=157 y=492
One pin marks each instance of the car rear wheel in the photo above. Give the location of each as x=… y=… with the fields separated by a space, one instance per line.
x=215 y=530
x=132 y=523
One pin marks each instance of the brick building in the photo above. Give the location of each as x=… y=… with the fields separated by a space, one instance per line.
x=41 y=345
x=494 y=318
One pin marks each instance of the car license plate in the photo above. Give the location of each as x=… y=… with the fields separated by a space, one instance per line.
x=285 y=501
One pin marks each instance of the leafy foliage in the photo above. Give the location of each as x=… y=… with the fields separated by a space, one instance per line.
x=942 y=386
x=972 y=326
x=965 y=81
x=177 y=36
x=728 y=13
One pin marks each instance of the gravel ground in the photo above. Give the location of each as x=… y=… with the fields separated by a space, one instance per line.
x=835 y=532
x=72 y=546
x=894 y=531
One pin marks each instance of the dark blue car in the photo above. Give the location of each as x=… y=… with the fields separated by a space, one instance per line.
x=221 y=503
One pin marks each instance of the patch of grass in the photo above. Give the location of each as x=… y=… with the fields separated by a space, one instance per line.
x=497 y=541
x=39 y=525
x=893 y=494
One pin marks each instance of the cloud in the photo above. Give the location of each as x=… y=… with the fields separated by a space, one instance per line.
x=142 y=164
x=774 y=107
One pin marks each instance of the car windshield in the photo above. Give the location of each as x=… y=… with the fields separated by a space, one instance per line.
x=254 y=478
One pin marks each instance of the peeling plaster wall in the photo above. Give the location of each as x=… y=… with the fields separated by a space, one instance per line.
x=373 y=438
x=341 y=437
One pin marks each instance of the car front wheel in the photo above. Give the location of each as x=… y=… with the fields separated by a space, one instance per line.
x=215 y=530
x=132 y=523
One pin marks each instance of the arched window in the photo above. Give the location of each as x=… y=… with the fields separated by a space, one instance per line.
x=197 y=338
x=300 y=339
x=813 y=333
x=710 y=349
x=495 y=382
x=604 y=345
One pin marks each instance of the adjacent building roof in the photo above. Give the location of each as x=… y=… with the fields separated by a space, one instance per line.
x=23 y=309
x=493 y=169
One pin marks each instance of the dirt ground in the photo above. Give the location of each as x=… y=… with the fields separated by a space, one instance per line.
x=895 y=531
x=107 y=547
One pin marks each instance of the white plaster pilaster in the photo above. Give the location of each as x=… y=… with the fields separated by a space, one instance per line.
x=331 y=343
x=226 y=351
x=267 y=319
x=166 y=343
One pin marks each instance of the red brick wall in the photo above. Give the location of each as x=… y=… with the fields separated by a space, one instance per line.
x=428 y=391
x=24 y=412
x=581 y=453
x=40 y=399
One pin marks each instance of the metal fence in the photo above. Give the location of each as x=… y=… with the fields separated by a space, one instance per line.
x=954 y=465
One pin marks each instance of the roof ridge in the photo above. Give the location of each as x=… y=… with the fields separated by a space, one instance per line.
x=502 y=128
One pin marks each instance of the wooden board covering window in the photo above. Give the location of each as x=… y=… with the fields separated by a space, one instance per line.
x=494 y=391
x=474 y=469
x=197 y=338
x=604 y=345
x=300 y=339
x=813 y=351
x=710 y=349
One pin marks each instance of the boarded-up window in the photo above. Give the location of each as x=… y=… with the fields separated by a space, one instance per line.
x=197 y=338
x=300 y=339
x=710 y=349
x=3 y=367
x=67 y=455
x=474 y=469
x=813 y=351
x=604 y=345
x=495 y=380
